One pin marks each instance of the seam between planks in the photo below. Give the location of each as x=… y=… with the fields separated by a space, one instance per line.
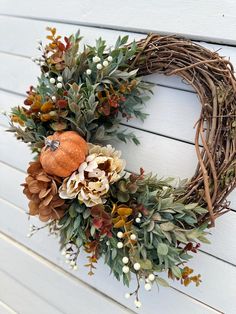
x=31 y=291
x=57 y=268
x=13 y=54
x=203 y=303
x=126 y=125
x=54 y=267
x=202 y=251
x=7 y=307
x=134 y=30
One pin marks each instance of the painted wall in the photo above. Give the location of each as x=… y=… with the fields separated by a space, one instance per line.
x=33 y=276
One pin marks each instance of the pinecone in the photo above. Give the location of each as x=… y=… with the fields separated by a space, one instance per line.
x=42 y=191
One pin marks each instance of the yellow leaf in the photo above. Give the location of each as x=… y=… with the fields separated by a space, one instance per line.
x=53 y=31
x=49 y=37
x=119 y=224
x=124 y=211
x=47 y=106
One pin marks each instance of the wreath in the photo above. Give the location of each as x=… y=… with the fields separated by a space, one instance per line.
x=139 y=223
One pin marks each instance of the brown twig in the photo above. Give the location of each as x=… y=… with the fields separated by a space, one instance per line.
x=212 y=77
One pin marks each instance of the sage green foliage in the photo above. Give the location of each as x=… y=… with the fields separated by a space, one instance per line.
x=97 y=102
x=167 y=225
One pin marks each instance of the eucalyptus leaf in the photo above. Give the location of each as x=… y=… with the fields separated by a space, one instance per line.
x=162 y=249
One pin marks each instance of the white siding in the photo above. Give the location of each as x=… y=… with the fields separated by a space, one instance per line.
x=33 y=276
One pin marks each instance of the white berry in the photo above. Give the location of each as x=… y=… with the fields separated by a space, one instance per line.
x=133 y=237
x=52 y=80
x=67 y=256
x=147 y=287
x=151 y=277
x=137 y=303
x=59 y=85
x=127 y=295
x=60 y=79
x=88 y=71
x=75 y=267
x=54 y=98
x=125 y=269
x=63 y=253
x=139 y=215
x=72 y=263
x=138 y=220
x=125 y=260
x=137 y=266
x=120 y=234
x=110 y=58
x=120 y=245
x=99 y=66
x=105 y=63
x=96 y=59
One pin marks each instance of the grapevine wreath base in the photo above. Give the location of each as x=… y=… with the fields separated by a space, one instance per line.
x=140 y=224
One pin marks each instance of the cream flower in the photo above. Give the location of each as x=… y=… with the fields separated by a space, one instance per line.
x=90 y=183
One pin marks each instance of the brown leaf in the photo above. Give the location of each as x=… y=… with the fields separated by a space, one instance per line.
x=43 y=193
x=33 y=187
x=47 y=200
x=43 y=177
x=33 y=208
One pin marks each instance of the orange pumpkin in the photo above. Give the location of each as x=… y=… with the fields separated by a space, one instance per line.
x=63 y=153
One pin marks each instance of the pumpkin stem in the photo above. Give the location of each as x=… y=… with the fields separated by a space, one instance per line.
x=52 y=144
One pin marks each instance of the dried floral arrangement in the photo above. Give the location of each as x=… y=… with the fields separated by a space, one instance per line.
x=77 y=185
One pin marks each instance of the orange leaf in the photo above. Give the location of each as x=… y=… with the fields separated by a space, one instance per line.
x=125 y=211
x=53 y=31
x=47 y=106
x=119 y=224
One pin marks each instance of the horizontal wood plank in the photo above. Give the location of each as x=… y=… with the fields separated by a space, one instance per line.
x=50 y=282
x=168 y=110
x=6 y=309
x=156 y=154
x=21 y=298
x=138 y=16
x=12 y=42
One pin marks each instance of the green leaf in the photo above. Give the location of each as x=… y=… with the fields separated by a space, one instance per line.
x=200 y=210
x=146 y=264
x=69 y=232
x=162 y=282
x=113 y=253
x=86 y=213
x=203 y=239
x=79 y=242
x=72 y=211
x=190 y=220
x=162 y=249
x=191 y=206
x=180 y=236
x=176 y=271
x=124 y=40
x=167 y=226
x=77 y=222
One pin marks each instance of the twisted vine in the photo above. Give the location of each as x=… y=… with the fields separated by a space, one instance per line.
x=212 y=77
